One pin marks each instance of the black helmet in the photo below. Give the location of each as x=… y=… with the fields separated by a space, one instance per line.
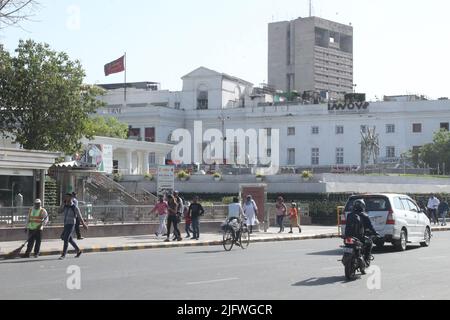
x=359 y=205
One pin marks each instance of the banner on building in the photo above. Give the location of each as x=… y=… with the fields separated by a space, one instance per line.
x=165 y=180
x=100 y=155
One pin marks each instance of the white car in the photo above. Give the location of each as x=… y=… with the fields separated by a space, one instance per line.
x=397 y=218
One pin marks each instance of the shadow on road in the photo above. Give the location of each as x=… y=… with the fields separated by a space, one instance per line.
x=313 y=282
x=376 y=251
x=207 y=252
x=335 y=252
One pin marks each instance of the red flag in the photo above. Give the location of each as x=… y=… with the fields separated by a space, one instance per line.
x=115 y=66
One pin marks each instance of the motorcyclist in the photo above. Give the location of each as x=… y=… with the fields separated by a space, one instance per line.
x=360 y=227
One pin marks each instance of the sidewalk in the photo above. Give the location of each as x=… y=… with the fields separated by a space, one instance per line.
x=89 y=245
x=54 y=247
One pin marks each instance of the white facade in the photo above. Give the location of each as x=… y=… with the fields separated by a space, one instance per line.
x=332 y=137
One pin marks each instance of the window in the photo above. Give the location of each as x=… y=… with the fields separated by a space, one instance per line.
x=134 y=134
x=150 y=135
x=398 y=204
x=339 y=130
x=340 y=156
x=202 y=99
x=445 y=126
x=315 y=130
x=291 y=131
x=390 y=128
x=177 y=105
x=390 y=152
x=417 y=128
x=152 y=158
x=291 y=157
x=315 y=156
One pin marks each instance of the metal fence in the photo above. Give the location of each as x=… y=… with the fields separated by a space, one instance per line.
x=100 y=215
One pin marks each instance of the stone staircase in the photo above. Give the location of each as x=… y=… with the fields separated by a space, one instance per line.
x=108 y=191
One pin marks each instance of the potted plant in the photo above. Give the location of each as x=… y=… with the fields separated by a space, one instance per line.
x=183 y=175
x=117 y=177
x=148 y=177
x=217 y=176
x=307 y=175
x=259 y=177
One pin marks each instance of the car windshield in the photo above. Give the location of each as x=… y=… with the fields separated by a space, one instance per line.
x=373 y=203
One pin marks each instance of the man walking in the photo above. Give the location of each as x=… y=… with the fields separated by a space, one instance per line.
x=443 y=211
x=71 y=213
x=196 y=211
x=37 y=219
x=77 y=223
x=180 y=208
x=433 y=205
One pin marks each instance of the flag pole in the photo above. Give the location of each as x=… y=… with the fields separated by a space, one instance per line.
x=125 y=81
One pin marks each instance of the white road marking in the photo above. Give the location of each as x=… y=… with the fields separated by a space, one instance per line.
x=211 y=281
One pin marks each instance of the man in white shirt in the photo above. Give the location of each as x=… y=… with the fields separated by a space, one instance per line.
x=433 y=205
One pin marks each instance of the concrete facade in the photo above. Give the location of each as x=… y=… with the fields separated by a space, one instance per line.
x=311 y=54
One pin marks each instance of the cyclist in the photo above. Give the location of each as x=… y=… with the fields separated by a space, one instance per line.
x=236 y=212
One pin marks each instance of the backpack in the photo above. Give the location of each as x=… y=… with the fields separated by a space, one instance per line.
x=354 y=227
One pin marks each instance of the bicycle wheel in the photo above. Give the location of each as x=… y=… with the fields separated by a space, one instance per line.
x=245 y=238
x=228 y=239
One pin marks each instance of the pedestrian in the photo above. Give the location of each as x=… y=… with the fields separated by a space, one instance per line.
x=433 y=205
x=77 y=223
x=180 y=210
x=293 y=216
x=187 y=221
x=71 y=213
x=281 y=213
x=251 y=212
x=196 y=211
x=37 y=219
x=443 y=211
x=161 y=210
x=18 y=199
x=172 y=219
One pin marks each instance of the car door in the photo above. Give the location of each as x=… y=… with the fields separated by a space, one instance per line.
x=414 y=212
x=409 y=219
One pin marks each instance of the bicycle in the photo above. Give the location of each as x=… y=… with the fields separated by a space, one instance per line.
x=230 y=236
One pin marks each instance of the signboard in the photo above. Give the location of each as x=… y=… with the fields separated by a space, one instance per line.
x=357 y=107
x=101 y=156
x=165 y=180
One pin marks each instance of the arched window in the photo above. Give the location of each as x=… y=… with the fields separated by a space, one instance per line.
x=202 y=97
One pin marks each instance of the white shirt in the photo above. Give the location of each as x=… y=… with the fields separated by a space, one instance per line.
x=234 y=210
x=433 y=203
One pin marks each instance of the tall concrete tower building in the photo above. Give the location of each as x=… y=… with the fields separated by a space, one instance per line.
x=311 y=54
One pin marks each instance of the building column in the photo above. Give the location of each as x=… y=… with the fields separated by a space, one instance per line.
x=42 y=187
x=130 y=162
x=146 y=162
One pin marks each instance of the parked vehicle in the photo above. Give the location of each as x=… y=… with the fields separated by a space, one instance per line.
x=397 y=218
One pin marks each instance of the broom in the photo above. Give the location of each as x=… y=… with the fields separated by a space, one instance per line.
x=16 y=253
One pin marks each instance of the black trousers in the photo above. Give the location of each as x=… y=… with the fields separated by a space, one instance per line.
x=77 y=228
x=173 y=220
x=35 y=239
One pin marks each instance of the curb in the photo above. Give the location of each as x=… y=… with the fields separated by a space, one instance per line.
x=195 y=244
x=179 y=245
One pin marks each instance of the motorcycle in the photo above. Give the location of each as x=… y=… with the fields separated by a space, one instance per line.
x=354 y=259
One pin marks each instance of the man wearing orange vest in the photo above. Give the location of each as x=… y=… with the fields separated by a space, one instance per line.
x=37 y=218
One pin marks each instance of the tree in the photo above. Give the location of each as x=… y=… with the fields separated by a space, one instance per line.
x=437 y=154
x=106 y=127
x=12 y=12
x=43 y=102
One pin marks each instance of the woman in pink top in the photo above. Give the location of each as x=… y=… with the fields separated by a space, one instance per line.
x=161 y=209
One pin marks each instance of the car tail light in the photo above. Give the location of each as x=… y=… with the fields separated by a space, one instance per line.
x=390 y=218
x=349 y=241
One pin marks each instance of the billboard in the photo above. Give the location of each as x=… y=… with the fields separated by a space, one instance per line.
x=165 y=180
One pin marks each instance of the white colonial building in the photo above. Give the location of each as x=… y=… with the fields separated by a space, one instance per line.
x=310 y=135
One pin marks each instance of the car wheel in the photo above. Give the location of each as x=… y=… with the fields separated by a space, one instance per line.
x=427 y=238
x=402 y=243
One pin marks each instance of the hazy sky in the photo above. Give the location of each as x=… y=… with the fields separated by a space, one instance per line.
x=401 y=46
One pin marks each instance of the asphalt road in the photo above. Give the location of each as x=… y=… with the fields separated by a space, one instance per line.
x=268 y=271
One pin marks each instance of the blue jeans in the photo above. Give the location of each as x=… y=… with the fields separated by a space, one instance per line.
x=196 y=227
x=67 y=238
x=280 y=220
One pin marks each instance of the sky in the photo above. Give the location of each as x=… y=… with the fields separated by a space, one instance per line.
x=400 y=47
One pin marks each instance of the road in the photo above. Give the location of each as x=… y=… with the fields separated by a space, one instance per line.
x=268 y=271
